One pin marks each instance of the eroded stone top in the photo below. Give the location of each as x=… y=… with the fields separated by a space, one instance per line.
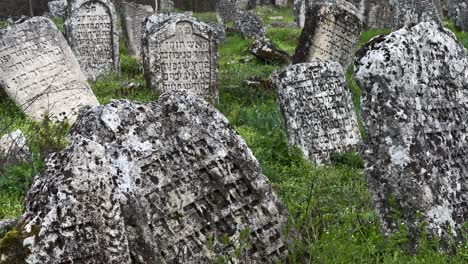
x=142 y=183
x=415 y=106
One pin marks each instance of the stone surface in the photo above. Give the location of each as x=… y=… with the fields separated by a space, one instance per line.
x=166 y=5
x=249 y=25
x=226 y=10
x=380 y=14
x=150 y=183
x=411 y=12
x=13 y=149
x=6 y=225
x=268 y=52
x=414 y=106
x=133 y=16
x=92 y=32
x=331 y=32
x=180 y=53
x=458 y=11
x=39 y=72
x=219 y=31
x=299 y=12
x=57 y=8
x=317 y=109
x=301 y=7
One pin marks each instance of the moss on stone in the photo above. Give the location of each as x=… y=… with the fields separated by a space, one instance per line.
x=12 y=250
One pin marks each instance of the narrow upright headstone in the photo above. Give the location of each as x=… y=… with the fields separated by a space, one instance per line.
x=133 y=16
x=39 y=72
x=380 y=14
x=226 y=10
x=92 y=32
x=317 y=108
x=299 y=12
x=415 y=107
x=411 y=12
x=331 y=32
x=162 y=182
x=180 y=53
x=458 y=12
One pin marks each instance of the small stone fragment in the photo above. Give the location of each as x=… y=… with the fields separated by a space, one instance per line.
x=268 y=52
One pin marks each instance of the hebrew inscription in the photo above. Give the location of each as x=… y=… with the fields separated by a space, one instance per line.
x=39 y=72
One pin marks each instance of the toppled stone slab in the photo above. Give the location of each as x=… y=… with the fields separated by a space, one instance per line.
x=149 y=183
x=458 y=11
x=133 y=16
x=92 y=31
x=317 y=108
x=57 y=8
x=411 y=12
x=414 y=106
x=331 y=32
x=39 y=72
x=13 y=149
x=269 y=53
x=180 y=53
x=249 y=25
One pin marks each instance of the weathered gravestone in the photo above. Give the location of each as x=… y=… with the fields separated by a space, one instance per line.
x=458 y=12
x=415 y=108
x=39 y=72
x=249 y=25
x=317 y=109
x=133 y=16
x=226 y=10
x=57 y=8
x=411 y=12
x=180 y=53
x=153 y=183
x=299 y=12
x=331 y=32
x=92 y=32
x=380 y=14
x=219 y=31
x=166 y=5
x=301 y=7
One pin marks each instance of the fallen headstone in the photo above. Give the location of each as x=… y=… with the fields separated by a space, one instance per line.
x=414 y=107
x=92 y=31
x=268 y=52
x=317 y=109
x=133 y=16
x=180 y=53
x=39 y=72
x=153 y=183
x=331 y=32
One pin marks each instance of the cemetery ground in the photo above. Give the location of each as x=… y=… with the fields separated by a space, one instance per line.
x=329 y=206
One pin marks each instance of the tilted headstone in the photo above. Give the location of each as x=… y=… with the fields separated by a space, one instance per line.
x=153 y=183
x=380 y=14
x=92 y=32
x=133 y=16
x=301 y=7
x=415 y=107
x=57 y=8
x=180 y=53
x=331 y=32
x=317 y=109
x=458 y=12
x=39 y=72
x=411 y=12
x=249 y=25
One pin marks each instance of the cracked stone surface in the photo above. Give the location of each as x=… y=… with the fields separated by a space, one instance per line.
x=414 y=107
x=317 y=109
x=143 y=183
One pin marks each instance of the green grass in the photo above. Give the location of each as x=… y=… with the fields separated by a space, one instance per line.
x=462 y=36
x=329 y=206
x=206 y=17
x=269 y=14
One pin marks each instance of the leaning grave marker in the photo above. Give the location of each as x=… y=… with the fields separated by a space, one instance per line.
x=92 y=32
x=40 y=73
x=133 y=16
x=331 y=32
x=180 y=53
x=317 y=109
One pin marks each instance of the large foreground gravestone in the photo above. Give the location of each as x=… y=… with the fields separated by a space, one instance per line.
x=331 y=32
x=153 y=183
x=133 y=16
x=39 y=72
x=415 y=108
x=411 y=12
x=180 y=53
x=317 y=109
x=92 y=32
x=458 y=11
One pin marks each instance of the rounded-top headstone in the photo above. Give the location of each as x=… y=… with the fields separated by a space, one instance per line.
x=92 y=31
x=180 y=53
x=415 y=107
x=153 y=183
